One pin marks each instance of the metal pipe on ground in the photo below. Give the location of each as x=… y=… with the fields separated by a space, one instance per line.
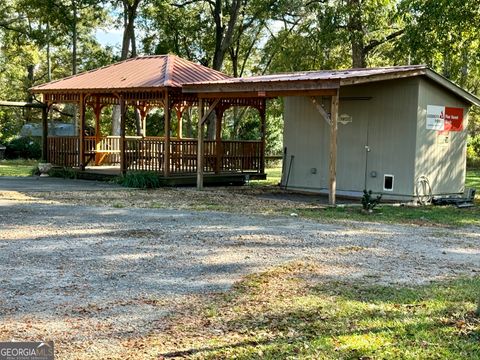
x=289 y=169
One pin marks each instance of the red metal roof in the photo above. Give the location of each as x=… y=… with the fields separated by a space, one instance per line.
x=323 y=79
x=145 y=72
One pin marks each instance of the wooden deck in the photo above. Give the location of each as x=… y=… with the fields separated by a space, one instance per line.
x=232 y=157
x=107 y=173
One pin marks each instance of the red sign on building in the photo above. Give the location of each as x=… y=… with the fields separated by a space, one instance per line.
x=453 y=119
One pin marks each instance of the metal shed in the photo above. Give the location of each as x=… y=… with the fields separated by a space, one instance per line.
x=403 y=137
x=399 y=131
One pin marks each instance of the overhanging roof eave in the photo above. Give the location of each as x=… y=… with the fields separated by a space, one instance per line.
x=102 y=90
x=381 y=77
x=259 y=87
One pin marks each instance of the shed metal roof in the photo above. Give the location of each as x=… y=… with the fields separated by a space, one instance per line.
x=323 y=79
x=140 y=73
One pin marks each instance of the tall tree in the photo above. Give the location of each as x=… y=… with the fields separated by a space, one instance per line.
x=129 y=49
x=130 y=11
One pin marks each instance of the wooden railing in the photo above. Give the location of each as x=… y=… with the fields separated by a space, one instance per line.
x=241 y=155
x=64 y=150
x=147 y=154
x=144 y=154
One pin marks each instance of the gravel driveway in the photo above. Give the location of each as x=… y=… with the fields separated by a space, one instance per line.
x=91 y=277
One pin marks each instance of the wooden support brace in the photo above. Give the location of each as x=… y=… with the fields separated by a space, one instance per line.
x=200 y=145
x=82 y=131
x=262 y=111
x=166 y=154
x=209 y=111
x=45 y=134
x=321 y=110
x=97 y=110
x=333 y=150
x=218 y=140
x=123 y=160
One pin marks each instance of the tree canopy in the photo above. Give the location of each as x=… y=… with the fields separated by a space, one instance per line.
x=49 y=39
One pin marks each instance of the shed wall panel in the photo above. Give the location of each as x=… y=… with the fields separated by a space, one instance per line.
x=444 y=164
x=386 y=123
x=306 y=137
x=392 y=136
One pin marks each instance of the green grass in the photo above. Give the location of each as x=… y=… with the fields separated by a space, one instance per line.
x=473 y=179
x=422 y=215
x=278 y=315
x=17 y=167
x=273 y=177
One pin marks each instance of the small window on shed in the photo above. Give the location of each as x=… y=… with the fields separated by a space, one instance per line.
x=388 y=182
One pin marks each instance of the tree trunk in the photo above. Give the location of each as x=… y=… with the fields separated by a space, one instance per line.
x=128 y=41
x=74 y=38
x=49 y=62
x=138 y=123
x=223 y=41
x=29 y=98
x=188 y=124
x=357 y=36
x=116 y=120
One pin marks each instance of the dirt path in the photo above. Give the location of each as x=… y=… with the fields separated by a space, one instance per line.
x=91 y=278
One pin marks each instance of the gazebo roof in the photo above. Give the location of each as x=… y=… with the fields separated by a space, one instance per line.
x=137 y=74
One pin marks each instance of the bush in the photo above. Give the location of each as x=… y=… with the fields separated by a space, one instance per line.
x=63 y=172
x=140 y=180
x=23 y=147
x=368 y=201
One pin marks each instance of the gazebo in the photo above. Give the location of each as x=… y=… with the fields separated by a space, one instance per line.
x=145 y=83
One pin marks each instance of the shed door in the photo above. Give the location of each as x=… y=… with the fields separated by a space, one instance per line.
x=352 y=145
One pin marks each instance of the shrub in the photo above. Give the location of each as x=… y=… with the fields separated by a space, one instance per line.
x=23 y=147
x=140 y=180
x=369 y=201
x=64 y=172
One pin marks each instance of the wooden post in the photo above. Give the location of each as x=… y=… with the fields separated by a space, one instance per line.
x=123 y=160
x=218 y=140
x=201 y=121
x=81 y=111
x=45 y=134
x=166 y=155
x=97 y=111
x=200 y=146
x=333 y=148
x=262 y=131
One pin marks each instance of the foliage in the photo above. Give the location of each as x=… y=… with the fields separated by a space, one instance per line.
x=473 y=156
x=24 y=148
x=369 y=201
x=140 y=180
x=47 y=40
x=443 y=35
x=473 y=152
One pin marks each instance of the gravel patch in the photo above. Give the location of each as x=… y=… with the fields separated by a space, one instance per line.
x=91 y=278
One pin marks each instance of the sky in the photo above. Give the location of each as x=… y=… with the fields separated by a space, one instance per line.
x=109 y=37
